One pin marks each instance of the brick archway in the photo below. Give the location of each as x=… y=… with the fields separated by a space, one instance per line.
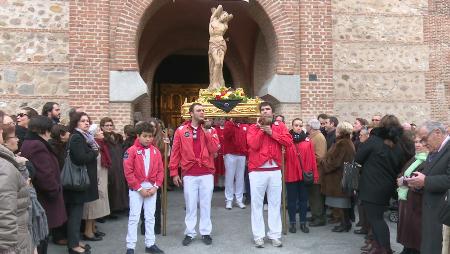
x=276 y=22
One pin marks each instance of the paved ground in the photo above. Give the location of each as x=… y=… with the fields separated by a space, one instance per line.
x=231 y=234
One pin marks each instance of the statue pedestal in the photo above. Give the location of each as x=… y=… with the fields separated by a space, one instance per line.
x=247 y=109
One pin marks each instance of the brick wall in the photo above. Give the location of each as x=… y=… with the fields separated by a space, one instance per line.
x=122 y=114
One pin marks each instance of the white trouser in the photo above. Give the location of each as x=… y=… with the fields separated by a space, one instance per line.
x=198 y=188
x=260 y=183
x=136 y=201
x=234 y=171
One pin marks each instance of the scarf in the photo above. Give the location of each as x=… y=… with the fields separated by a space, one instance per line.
x=89 y=139
x=298 y=137
x=105 y=157
x=403 y=190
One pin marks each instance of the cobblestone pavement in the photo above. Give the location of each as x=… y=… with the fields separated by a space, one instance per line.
x=231 y=234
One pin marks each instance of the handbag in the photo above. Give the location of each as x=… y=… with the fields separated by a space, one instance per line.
x=74 y=177
x=444 y=210
x=308 y=177
x=350 y=177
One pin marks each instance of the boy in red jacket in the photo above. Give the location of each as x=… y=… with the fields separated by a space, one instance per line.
x=193 y=149
x=265 y=140
x=144 y=172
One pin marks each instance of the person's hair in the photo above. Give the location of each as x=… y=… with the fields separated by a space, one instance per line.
x=72 y=111
x=105 y=120
x=191 y=108
x=40 y=124
x=145 y=127
x=7 y=131
x=333 y=120
x=362 y=121
x=57 y=131
x=129 y=130
x=48 y=107
x=390 y=121
x=433 y=125
x=282 y=117
x=31 y=112
x=76 y=117
x=265 y=103
x=296 y=119
x=345 y=129
x=378 y=114
x=323 y=116
x=315 y=124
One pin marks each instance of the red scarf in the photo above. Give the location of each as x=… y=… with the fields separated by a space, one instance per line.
x=104 y=152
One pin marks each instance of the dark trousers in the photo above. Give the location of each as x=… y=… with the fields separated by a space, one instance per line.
x=75 y=213
x=316 y=202
x=297 y=194
x=59 y=233
x=42 y=247
x=363 y=217
x=380 y=229
x=247 y=184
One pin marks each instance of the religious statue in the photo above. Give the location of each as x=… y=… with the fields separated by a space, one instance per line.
x=218 y=25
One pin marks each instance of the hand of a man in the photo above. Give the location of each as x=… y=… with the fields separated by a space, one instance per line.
x=143 y=192
x=417 y=181
x=152 y=191
x=267 y=129
x=177 y=181
x=400 y=181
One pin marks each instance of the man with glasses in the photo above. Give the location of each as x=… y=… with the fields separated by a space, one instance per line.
x=193 y=150
x=434 y=181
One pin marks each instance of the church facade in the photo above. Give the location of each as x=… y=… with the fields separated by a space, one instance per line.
x=132 y=59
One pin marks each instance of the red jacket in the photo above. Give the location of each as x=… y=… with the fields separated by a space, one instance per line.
x=235 y=138
x=183 y=149
x=220 y=134
x=293 y=171
x=262 y=147
x=133 y=164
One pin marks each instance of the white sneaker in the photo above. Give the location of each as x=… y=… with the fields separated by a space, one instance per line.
x=240 y=205
x=229 y=205
x=266 y=207
x=259 y=243
x=277 y=243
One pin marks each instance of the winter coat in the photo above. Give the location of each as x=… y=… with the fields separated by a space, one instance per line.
x=47 y=179
x=82 y=154
x=14 y=202
x=294 y=170
x=263 y=148
x=381 y=164
x=133 y=164
x=333 y=166
x=182 y=153
x=320 y=150
x=235 y=138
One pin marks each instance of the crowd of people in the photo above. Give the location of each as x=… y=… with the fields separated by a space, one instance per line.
x=251 y=161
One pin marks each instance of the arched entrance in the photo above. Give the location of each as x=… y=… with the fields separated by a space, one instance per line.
x=257 y=58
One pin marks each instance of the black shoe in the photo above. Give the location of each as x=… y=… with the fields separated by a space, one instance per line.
x=342 y=228
x=100 y=220
x=361 y=231
x=92 y=239
x=304 y=228
x=130 y=251
x=86 y=247
x=187 y=240
x=292 y=228
x=99 y=234
x=142 y=228
x=317 y=223
x=207 y=239
x=153 y=249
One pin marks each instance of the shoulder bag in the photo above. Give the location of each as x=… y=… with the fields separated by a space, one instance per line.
x=350 y=177
x=74 y=177
x=308 y=177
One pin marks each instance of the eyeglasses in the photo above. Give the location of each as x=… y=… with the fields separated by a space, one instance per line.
x=21 y=115
x=376 y=120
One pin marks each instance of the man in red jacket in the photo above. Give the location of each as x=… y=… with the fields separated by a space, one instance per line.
x=235 y=150
x=144 y=172
x=265 y=140
x=193 y=150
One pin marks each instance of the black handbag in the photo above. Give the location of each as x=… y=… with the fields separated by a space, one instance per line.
x=350 y=177
x=444 y=210
x=74 y=177
x=308 y=177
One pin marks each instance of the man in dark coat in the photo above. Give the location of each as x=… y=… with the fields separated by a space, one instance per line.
x=330 y=126
x=435 y=181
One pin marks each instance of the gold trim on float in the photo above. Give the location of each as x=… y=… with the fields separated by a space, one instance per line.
x=248 y=109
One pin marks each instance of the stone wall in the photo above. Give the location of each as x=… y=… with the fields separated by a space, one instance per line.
x=380 y=59
x=34 y=53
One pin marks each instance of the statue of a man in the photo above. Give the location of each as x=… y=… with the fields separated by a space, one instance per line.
x=218 y=25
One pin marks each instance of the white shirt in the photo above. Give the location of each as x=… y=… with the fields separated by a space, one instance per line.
x=146 y=161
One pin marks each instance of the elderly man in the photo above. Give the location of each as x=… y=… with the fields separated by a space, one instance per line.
x=435 y=181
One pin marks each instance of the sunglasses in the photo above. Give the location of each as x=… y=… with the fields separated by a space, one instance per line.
x=21 y=115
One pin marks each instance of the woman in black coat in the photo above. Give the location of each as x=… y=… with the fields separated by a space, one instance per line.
x=382 y=157
x=83 y=150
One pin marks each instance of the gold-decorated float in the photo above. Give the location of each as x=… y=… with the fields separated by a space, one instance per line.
x=216 y=103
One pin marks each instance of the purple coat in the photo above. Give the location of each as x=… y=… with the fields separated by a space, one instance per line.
x=47 y=179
